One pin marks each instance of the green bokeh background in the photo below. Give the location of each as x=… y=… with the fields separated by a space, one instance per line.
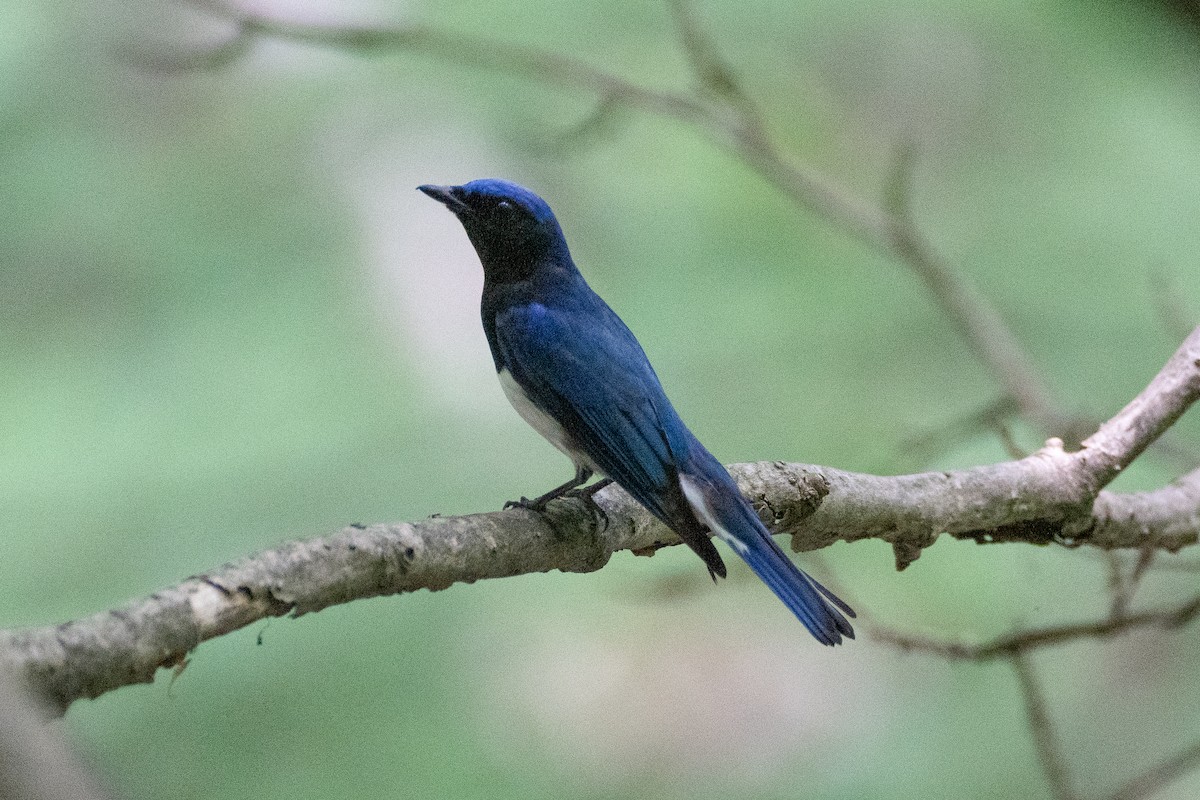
x=226 y=319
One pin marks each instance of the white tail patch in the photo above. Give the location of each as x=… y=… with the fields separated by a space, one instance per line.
x=703 y=511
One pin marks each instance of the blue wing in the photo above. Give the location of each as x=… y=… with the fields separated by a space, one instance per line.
x=583 y=367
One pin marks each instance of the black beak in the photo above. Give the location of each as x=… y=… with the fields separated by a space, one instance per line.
x=447 y=196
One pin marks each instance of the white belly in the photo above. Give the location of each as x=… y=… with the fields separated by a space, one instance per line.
x=540 y=421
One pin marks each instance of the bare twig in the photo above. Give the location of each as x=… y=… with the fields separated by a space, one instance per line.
x=1017 y=647
x=710 y=69
x=127 y=645
x=897 y=191
x=1161 y=774
x=593 y=125
x=1124 y=586
x=724 y=112
x=1045 y=739
x=744 y=133
x=1035 y=638
x=1176 y=565
x=923 y=444
x=1176 y=318
x=977 y=321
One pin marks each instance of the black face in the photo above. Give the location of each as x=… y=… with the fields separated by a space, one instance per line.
x=512 y=229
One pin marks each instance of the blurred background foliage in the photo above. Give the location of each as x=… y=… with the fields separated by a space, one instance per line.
x=227 y=319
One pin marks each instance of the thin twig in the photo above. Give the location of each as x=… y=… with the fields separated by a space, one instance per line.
x=1173 y=314
x=1045 y=739
x=710 y=69
x=1176 y=565
x=1124 y=586
x=1034 y=638
x=724 y=113
x=1158 y=776
x=921 y=445
x=744 y=134
x=1017 y=647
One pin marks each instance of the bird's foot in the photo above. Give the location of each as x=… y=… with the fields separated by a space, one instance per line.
x=587 y=495
x=582 y=475
x=537 y=504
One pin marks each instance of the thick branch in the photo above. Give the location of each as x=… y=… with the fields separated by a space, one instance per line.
x=127 y=645
x=1156 y=408
x=1048 y=496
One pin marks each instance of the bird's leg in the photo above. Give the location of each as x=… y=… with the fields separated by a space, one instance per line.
x=586 y=492
x=582 y=476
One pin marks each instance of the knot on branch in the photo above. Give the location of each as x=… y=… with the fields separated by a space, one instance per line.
x=908 y=548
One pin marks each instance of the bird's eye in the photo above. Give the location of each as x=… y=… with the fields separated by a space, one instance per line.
x=504 y=205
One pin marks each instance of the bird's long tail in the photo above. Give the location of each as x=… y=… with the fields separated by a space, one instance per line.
x=716 y=501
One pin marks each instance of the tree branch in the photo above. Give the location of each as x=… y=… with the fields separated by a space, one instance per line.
x=1159 y=775
x=1048 y=496
x=721 y=109
x=1045 y=738
x=1023 y=641
x=1016 y=649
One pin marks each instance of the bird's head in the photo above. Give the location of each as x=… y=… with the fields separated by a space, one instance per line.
x=513 y=230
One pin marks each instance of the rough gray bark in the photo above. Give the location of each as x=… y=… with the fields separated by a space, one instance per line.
x=1050 y=496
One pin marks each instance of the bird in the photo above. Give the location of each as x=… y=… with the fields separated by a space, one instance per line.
x=577 y=374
